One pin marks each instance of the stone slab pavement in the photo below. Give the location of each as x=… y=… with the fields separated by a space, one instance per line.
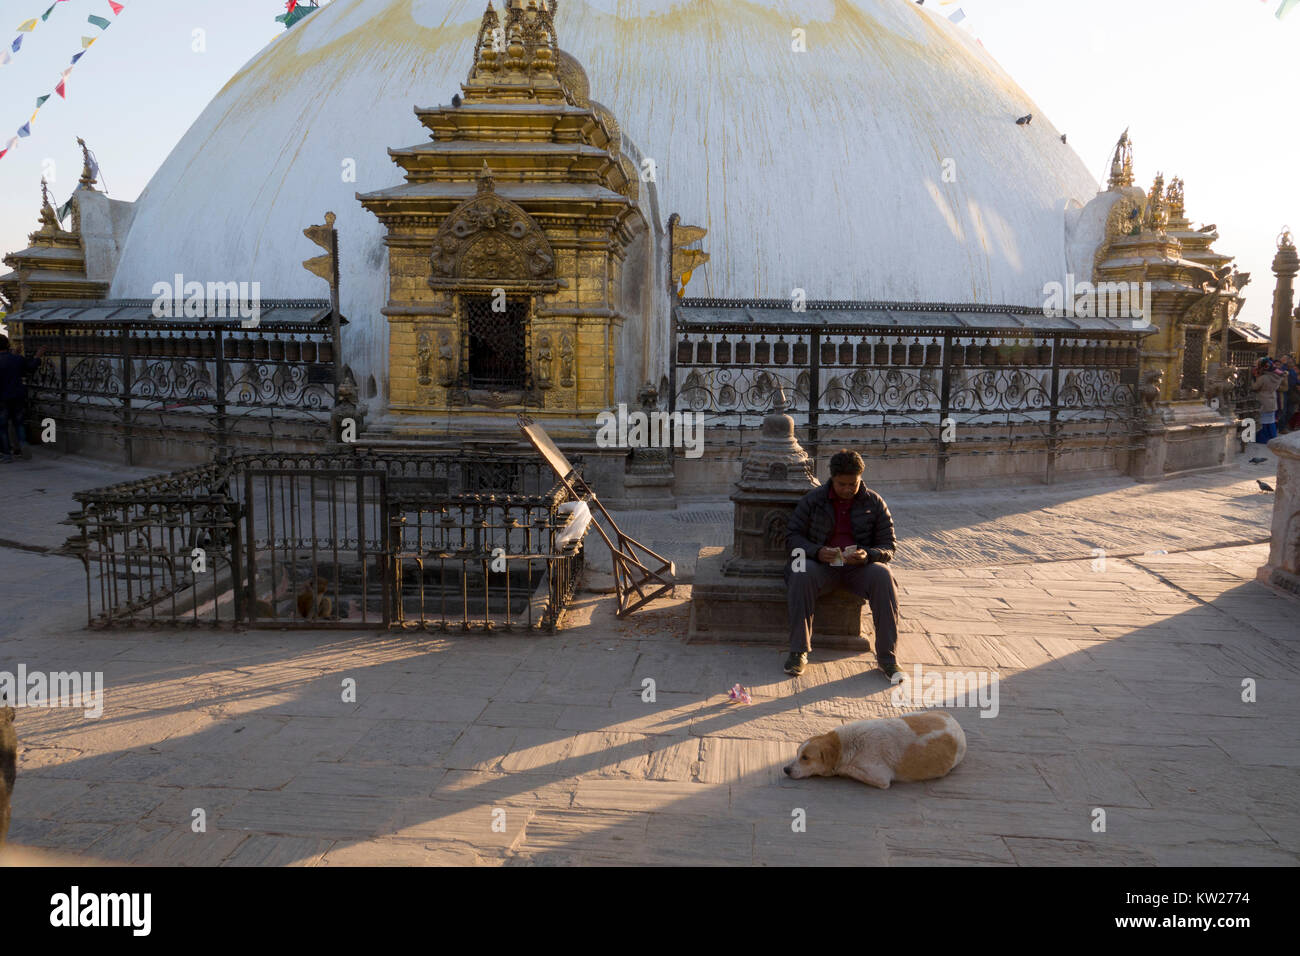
x=1015 y=525
x=1162 y=691
x=936 y=529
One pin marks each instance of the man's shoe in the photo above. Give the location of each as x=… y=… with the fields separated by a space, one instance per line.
x=794 y=664
x=890 y=670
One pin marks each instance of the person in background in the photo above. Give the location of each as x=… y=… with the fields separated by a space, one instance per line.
x=1268 y=379
x=1291 y=405
x=13 y=395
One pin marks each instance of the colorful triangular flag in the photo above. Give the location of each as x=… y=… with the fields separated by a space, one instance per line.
x=25 y=129
x=78 y=55
x=958 y=16
x=65 y=209
x=40 y=100
x=1287 y=7
x=117 y=7
x=46 y=14
x=59 y=89
x=18 y=41
x=5 y=57
x=86 y=41
x=27 y=26
x=100 y=22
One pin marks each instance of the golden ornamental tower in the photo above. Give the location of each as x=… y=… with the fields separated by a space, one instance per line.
x=53 y=266
x=507 y=243
x=1194 y=291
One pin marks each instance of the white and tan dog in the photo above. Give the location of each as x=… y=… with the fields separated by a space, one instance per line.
x=918 y=746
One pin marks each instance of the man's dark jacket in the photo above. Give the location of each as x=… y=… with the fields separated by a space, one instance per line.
x=813 y=523
x=12 y=369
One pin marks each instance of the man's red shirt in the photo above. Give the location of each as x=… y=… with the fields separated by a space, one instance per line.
x=842 y=537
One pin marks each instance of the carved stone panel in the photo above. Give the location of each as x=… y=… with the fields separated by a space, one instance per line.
x=424 y=351
x=446 y=358
x=545 y=358
x=566 y=361
x=490 y=239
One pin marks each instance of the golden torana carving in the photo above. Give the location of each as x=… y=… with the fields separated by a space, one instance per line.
x=490 y=238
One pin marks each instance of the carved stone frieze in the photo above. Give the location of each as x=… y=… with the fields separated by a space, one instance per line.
x=490 y=239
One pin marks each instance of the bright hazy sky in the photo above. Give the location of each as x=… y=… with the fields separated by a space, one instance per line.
x=1208 y=88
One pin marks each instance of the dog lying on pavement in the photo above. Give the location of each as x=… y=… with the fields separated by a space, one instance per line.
x=919 y=746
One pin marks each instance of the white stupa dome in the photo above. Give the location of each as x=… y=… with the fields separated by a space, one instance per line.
x=822 y=170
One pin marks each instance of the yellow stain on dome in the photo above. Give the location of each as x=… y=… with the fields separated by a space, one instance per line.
x=395 y=25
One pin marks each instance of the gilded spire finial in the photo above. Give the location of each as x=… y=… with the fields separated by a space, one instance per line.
x=488 y=43
x=1284 y=239
x=49 y=218
x=1157 y=213
x=1174 y=198
x=89 y=168
x=517 y=55
x=1121 y=163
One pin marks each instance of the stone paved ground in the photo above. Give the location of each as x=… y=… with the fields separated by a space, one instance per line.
x=1037 y=523
x=1118 y=690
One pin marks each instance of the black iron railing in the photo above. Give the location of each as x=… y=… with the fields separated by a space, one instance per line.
x=917 y=391
x=455 y=540
x=133 y=379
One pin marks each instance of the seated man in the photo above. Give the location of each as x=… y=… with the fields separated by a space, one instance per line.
x=830 y=518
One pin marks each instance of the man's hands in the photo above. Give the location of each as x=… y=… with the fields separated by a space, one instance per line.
x=830 y=555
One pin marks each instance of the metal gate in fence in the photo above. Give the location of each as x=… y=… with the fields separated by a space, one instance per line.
x=452 y=541
x=316 y=548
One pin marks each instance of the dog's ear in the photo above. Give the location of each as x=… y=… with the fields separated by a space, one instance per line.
x=7 y=715
x=828 y=748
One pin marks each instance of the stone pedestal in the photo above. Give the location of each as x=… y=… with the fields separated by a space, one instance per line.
x=739 y=592
x=1184 y=438
x=648 y=479
x=752 y=609
x=1283 y=568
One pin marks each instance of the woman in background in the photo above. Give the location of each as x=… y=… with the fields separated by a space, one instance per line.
x=1268 y=379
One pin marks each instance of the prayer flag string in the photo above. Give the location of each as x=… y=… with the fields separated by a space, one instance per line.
x=61 y=86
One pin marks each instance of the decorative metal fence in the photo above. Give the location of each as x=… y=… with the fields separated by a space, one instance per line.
x=450 y=541
x=109 y=371
x=985 y=382
x=161 y=550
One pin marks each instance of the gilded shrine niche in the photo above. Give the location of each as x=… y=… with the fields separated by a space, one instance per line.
x=494 y=259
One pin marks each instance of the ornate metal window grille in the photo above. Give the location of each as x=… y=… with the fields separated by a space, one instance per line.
x=1194 y=359
x=497 y=343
